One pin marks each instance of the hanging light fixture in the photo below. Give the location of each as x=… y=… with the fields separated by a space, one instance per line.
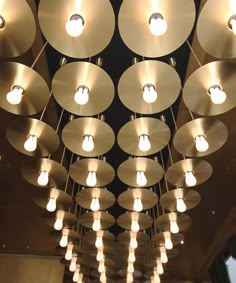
x=133 y=240
x=134 y=225
x=168 y=242
x=75 y=25
x=95 y=204
x=76 y=272
x=73 y=266
x=201 y=143
x=164 y=258
x=14 y=96
x=218 y=96
x=43 y=178
x=160 y=269
x=64 y=238
x=130 y=268
x=88 y=143
x=138 y=205
x=157 y=24
x=81 y=96
x=99 y=242
x=141 y=179
x=149 y=93
x=100 y=255
x=91 y=180
x=174 y=228
x=144 y=143
x=68 y=255
x=59 y=222
x=101 y=267
x=190 y=179
x=232 y=24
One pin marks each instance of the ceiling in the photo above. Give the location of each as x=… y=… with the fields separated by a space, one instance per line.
x=22 y=228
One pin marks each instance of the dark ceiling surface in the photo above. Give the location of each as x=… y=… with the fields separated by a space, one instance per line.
x=22 y=228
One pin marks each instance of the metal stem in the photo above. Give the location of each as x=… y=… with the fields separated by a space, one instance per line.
x=40 y=52
x=194 y=54
x=44 y=110
x=59 y=122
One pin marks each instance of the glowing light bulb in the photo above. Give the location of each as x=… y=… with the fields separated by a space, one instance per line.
x=31 y=143
x=91 y=180
x=141 y=179
x=80 y=278
x=135 y=226
x=149 y=93
x=131 y=257
x=144 y=143
x=190 y=179
x=180 y=205
x=130 y=268
x=164 y=258
x=76 y=273
x=95 y=204
x=201 y=143
x=75 y=25
x=58 y=223
x=68 y=255
x=52 y=204
x=156 y=277
x=133 y=240
x=103 y=277
x=99 y=242
x=160 y=269
x=152 y=279
x=174 y=228
x=73 y=266
x=168 y=242
x=157 y=24
x=64 y=238
x=96 y=225
x=232 y=24
x=218 y=96
x=43 y=178
x=138 y=206
x=100 y=255
x=129 y=277
x=88 y=143
x=101 y=267
x=14 y=96
x=2 y=22
x=82 y=95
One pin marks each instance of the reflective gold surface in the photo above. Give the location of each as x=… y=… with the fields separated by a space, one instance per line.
x=125 y=220
x=182 y=220
x=69 y=219
x=130 y=87
x=106 y=219
x=159 y=238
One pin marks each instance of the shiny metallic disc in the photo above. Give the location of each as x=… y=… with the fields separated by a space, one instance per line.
x=130 y=87
x=106 y=219
x=195 y=92
x=157 y=131
x=90 y=236
x=148 y=198
x=215 y=36
x=214 y=131
x=18 y=132
x=135 y=30
x=152 y=170
x=201 y=169
x=85 y=196
x=31 y=169
x=104 y=171
x=159 y=238
x=124 y=237
x=99 y=24
x=35 y=95
x=19 y=29
x=182 y=220
x=67 y=80
x=125 y=220
x=63 y=200
x=69 y=219
x=73 y=236
x=190 y=197
x=102 y=134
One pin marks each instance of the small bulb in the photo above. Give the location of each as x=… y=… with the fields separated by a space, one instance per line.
x=80 y=278
x=99 y=242
x=58 y=225
x=43 y=178
x=201 y=143
x=168 y=242
x=130 y=268
x=149 y=93
x=190 y=179
x=164 y=258
x=52 y=204
x=131 y=257
x=14 y=96
x=182 y=242
x=141 y=179
x=180 y=205
x=95 y=204
x=156 y=277
x=138 y=206
x=129 y=277
x=88 y=143
x=157 y=24
x=100 y=255
x=68 y=255
x=96 y=225
x=82 y=95
x=64 y=238
x=73 y=266
x=2 y=22
x=232 y=24
x=75 y=25
x=218 y=96
x=135 y=226
x=160 y=269
x=101 y=267
x=91 y=180
x=103 y=277
x=133 y=244
x=76 y=273
x=174 y=228
x=144 y=143
x=31 y=143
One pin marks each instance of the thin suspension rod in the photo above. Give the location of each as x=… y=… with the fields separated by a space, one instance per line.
x=40 y=52
x=194 y=54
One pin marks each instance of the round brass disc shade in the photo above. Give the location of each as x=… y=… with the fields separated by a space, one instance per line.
x=157 y=131
x=148 y=198
x=67 y=80
x=214 y=33
x=91 y=236
x=195 y=92
x=102 y=134
x=106 y=219
x=152 y=170
x=125 y=220
x=73 y=236
x=214 y=131
x=201 y=169
x=31 y=169
x=63 y=200
x=130 y=87
x=124 y=237
x=159 y=238
x=69 y=219
x=20 y=129
x=135 y=30
x=182 y=220
x=104 y=171
x=35 y=95
x=99 y=24
x=85 y=196
x=190 y=197
x=13 y=41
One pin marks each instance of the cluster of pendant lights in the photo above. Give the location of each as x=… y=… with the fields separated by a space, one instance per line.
x=84 y=89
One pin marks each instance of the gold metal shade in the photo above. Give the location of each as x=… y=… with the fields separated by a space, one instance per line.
x=106 y=219
x=35 y=90
x=73 y=236
x=90 y=236
x=31 y=169
x=196 y=90
x=85 y=196
x=201 y=169
x=104 y=171
x=147 y=197
x=190 y=197
x=158 y=134
x=128 y=169
x=182 y=220
x=125 y=220
x=22 y=128
x=133 y=80
x=98 y=26
x=213 y=28
x=14 y=26
x=135 y=30
x=75 y=131
x=124 y=237
x=159 y=238
x=69 y=219
x=214 y=131
x=70 y=77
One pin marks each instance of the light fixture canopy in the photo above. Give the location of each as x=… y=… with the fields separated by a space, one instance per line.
x=157 y=24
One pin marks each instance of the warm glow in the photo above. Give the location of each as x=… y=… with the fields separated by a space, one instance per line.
x=75 y=25
x=174 y=228
x=180 y=205
x=73 y=266
x=190 y=179
x=168 y=242
x=14 y=96
x=64 y=238
x=156 y=278
x=88 y=143
x=130 y=268
x=201 y=143
x=141 y=179
x=43 y=178
x=2 y=22
x=100 y=255
x=164 y=258
x=99 y=242
x=157 y=24
x=103 y=277
x=91 y=180
x=160 y=269
x=144 y=143
x=58 y=223
x=96 y=225
x=101 y=267
x=52 y=204
x=82 y=95
x=149 y=93
x=68 y=255
x=95 y=204
x=30 y=144
x=130 y=277
x=76 y=272
x=133 y=240
x=138 y=206
x=135 y=226
x=232 y=24
x=218 y=96
x=80 y=278
x=131 y=257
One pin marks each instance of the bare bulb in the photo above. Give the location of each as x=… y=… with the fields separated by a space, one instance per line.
x=103 y=277
x=100 y=255
x=14 y=96
x=130 y=268
x=168 y=242
x=75 y=25
x=73 y=266
x=82 y=95
x=232 y=22
x=101 y=267
x=68 y=255
x=58 y=223
x=164 y=258
x=144 y=143
x=141 y=179
x=129 y=277
x=135 y=226
x=80 y=278
x=96 y=225
x=156 y=278
x=190 y=179
x=180 y=205
x=43 y=178
x=30 y=144
x=174 y=228
x=91 y=180
x=157 y=24
x=131 y=257
x=218 y=96
x=2 y=22
x=52 y=204
x=88 y=143
x=138 y=205
x=149 y=93
x=95 y=204
x=160 y=269
x=76 y=273
x=99 y=242
x=201 y=143
x=133 y=243
x=64 y=238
